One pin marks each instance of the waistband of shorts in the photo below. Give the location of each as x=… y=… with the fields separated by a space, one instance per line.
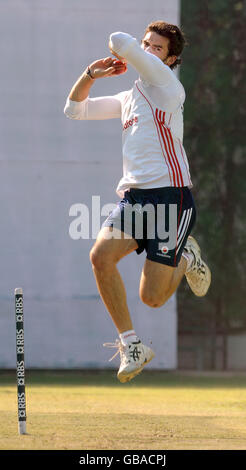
x=161 y=190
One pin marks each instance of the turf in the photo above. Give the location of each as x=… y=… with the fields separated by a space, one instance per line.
x=158 y=410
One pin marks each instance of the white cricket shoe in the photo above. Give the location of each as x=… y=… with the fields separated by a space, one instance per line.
x=199 y=275
x=134 y=357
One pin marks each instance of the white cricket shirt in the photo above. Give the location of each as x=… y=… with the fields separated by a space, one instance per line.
x=152 y=120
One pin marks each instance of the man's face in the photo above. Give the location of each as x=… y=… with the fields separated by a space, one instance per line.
x=157 y=45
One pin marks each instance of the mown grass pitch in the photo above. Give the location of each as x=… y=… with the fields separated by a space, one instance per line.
x=157 y=410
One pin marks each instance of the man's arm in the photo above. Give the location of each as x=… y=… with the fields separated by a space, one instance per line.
x=150 y=67
x=107 y=67
x=80 y=106
x=104 y=107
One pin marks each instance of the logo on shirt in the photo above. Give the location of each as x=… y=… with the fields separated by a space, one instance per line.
x=130 y=122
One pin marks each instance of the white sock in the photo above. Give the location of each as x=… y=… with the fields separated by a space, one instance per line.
x=128 y=337
x=189 y=258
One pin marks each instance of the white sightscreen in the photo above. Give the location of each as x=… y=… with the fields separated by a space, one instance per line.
x=48 y=163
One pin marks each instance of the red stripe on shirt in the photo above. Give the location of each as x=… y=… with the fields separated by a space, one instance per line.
x=158 y=133
x=172 y=156
x=175 y=156
x=164 y=138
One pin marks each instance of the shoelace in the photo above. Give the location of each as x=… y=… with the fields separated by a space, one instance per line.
x=194 y=262
x=198 y=266
x=117 y=345
x=199 y=280
x=194 y=268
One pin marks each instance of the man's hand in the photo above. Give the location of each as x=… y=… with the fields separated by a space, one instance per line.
x=107 y=67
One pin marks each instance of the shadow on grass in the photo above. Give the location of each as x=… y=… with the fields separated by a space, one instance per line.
x=108 y=378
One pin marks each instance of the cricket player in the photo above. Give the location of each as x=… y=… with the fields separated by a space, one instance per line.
x=155 y=174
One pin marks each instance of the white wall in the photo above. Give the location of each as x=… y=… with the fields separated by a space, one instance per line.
x=236 y=346
x=48 y=163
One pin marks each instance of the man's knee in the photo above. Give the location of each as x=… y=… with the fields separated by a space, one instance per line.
x=152 y=301
x=96 y=258
x=153 y=298
x=100 y=258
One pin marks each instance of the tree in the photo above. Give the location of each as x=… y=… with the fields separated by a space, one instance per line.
x=213 y=74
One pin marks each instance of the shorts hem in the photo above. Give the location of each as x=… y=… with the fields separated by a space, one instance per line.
x=162 y=260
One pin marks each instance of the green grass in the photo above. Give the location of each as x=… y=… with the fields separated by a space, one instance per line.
x=157 y=410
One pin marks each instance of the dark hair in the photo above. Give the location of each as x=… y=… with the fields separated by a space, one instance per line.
x=176 y=37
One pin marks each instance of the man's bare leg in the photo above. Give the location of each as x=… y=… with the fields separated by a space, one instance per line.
x=104 y=256
x=158 y=281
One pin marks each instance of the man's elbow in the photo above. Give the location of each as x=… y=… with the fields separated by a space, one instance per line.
x=69 y=114
x=73 y=110
x=119 y=43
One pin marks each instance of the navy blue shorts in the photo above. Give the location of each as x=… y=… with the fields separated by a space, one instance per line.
x=159 y=219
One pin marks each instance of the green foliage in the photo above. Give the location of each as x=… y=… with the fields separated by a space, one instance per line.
x=213 y=74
